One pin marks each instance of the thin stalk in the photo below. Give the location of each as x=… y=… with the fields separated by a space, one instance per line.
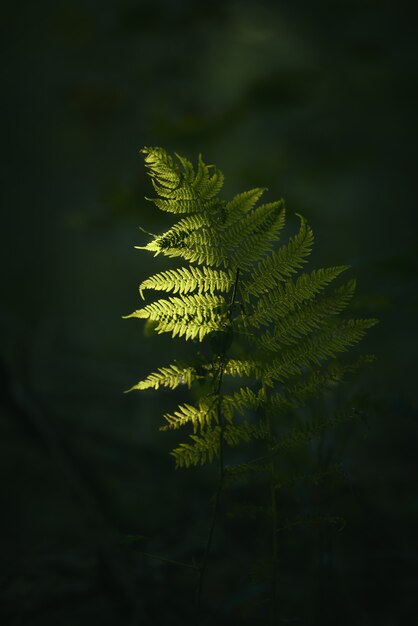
x=273 y=497
x=221 y=424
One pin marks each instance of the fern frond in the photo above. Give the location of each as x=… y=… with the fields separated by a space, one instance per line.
x=171 y=376
x=244 y=470
x=284 y=298
x=204 y=239
x=241 y=400
x=177 y=205
x=162 y=167
x=178 y=188
x=200 y=245
x=200 y=417
x=310 y=316
x=186 y=279
x=235 y=433
x=205 y=185
x=240 y=243
x=173 y=240
x=245 y=368
x=310 y=430
x=271 y=327
x=282 y=263
x=183 y=193
x=203 y=449
x=287 y=321
x=313 y=350
x=242 y=204
x=184 y=236
x=192 y=316
x=183 y=227
x=205 y=446
x=187 y=168
x=253 y=236
x=319 y=380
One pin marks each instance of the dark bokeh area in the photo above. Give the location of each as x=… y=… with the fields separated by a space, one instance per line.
x=314 y=100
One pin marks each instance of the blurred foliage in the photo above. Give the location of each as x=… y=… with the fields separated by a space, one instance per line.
x=319 y=98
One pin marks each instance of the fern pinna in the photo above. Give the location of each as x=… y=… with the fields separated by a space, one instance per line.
x=274 y=331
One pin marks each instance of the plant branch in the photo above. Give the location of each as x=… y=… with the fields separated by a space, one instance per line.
x=221 y=424
x=273 y=496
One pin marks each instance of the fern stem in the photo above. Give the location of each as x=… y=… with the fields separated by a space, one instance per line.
x=273 y=496
x=203 y=566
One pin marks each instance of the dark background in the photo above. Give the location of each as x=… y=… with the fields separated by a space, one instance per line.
x=317 y=101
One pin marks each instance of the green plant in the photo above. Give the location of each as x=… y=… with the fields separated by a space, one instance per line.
x=273 y=332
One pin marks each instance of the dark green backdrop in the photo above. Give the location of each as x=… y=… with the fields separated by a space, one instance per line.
x=317 y=101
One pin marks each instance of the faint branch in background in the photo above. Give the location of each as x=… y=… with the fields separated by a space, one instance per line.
x=34 y=418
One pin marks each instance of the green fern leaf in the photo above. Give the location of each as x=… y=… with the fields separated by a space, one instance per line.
x=187 y=279
x=187 y=168
x=203 y=449
x=200 y=417
x=162 y=167
x=253 y=236
x=207 y=186
x=310 y=316
x=274 y=330
x=192 y=316
x=244 y=368
x=173 y=240
x=314 y=350
x=197 y=246
x=276 y=304
x=205 y=446
x=318 y=381
x=311 y=430
x=178 y=188
x=235 y=433
x=171 y=376
x=242 y=400
x=241 y=204
x=179 y=205
x=277 y=332
x=281 y=264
